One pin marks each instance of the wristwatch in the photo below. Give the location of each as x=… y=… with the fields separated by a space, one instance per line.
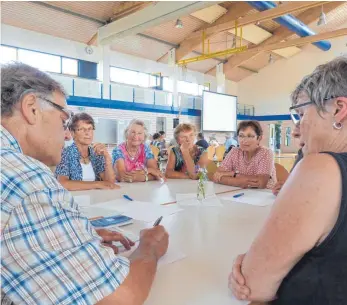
x=236 y=173
x=146 y=174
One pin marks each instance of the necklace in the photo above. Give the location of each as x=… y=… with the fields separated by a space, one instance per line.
x=85 y=159
x=132 y=157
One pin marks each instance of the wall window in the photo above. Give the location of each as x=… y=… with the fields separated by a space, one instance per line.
x=44 y=62
x=187 y=88
x=7 y=54
x=134 y=78
x=69 y=66
x=167 y=84
x=184 y=87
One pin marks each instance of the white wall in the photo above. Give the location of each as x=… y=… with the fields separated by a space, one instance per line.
x=270 y=90
x=22 y=38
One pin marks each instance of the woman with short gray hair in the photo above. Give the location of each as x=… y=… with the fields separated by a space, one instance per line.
x=300 y=255
x=133 y=160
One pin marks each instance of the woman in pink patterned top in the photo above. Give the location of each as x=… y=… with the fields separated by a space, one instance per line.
x=133 y=160
x=250 y=165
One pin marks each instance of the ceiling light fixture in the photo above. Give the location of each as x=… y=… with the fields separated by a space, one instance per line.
x=179 y=24
x=322 y=18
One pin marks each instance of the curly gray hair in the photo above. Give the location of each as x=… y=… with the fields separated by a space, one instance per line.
x=326 y=81
x=17 y=79
x=135 y=122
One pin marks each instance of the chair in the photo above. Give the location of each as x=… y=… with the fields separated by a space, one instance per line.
x=211 y=169
x=220 y=150
x=211 y=150
x=281 y=173
x=155 y=151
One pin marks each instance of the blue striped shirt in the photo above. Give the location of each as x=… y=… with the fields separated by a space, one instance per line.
x=50 y=253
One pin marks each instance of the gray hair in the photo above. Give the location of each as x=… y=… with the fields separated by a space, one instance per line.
x=326 y=81
x=17 y=79
x=135 y=122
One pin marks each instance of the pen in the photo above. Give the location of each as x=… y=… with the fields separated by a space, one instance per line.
x=127 y=197
x=238 y=195
x=157 y=222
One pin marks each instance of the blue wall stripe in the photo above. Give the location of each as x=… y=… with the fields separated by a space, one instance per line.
x=132 y=106
x=278 y=117
x=113 y=104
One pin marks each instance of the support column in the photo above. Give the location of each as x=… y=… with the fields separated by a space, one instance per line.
x=220 y=76
x=105 y=71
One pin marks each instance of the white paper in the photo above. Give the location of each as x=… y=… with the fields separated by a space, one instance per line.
x=253 y=197
x=144 y=211
x=82 y=200
x=172 y=255
x=93 y=212
x=132 y=236
x=190 y=199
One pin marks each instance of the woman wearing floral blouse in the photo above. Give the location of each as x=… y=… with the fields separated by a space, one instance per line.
x=84 y=165
x=133 y=160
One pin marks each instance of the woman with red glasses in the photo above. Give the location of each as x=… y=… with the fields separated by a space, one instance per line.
x=250 y=165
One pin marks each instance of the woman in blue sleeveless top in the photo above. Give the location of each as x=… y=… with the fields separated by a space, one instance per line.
x=300 y=255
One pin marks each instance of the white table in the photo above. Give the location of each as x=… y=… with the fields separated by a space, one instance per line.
x=211 y=237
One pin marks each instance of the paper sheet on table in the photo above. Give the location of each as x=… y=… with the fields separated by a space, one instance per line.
x=172 y=255
x=253 y=197
x=190 y=199
x=82 y=200
x=144 y=211
x=93 y=212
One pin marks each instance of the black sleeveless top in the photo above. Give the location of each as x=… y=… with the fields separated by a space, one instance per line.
x=320 y=277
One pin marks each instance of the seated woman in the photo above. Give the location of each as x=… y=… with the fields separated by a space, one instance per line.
x=250 y=165
x=299 y=256
x=84 y=165
x=185 y=159
x=133 y=161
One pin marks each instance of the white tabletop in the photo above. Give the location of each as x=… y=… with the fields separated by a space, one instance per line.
x=211 y=237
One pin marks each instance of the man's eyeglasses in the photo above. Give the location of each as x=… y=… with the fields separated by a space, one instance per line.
x=295 y=116
x=64 y=110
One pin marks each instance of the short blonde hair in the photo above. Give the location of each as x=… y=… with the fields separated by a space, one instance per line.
x=135 y=122
x=183 y=127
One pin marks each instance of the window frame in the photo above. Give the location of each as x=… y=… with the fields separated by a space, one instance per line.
x=46 y=53
x=137 y=84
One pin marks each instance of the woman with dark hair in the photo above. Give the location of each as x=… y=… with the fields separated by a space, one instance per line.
x=84 y=165
x=250 y=165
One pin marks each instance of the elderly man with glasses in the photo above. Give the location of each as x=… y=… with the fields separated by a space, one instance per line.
x=50 y=253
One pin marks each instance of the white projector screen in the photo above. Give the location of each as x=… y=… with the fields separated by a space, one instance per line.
x=218 y=112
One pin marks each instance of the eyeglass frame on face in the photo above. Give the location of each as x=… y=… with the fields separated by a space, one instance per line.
x=248 y=137
x=85 y=129
x=62 y=109
x=292 y=115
